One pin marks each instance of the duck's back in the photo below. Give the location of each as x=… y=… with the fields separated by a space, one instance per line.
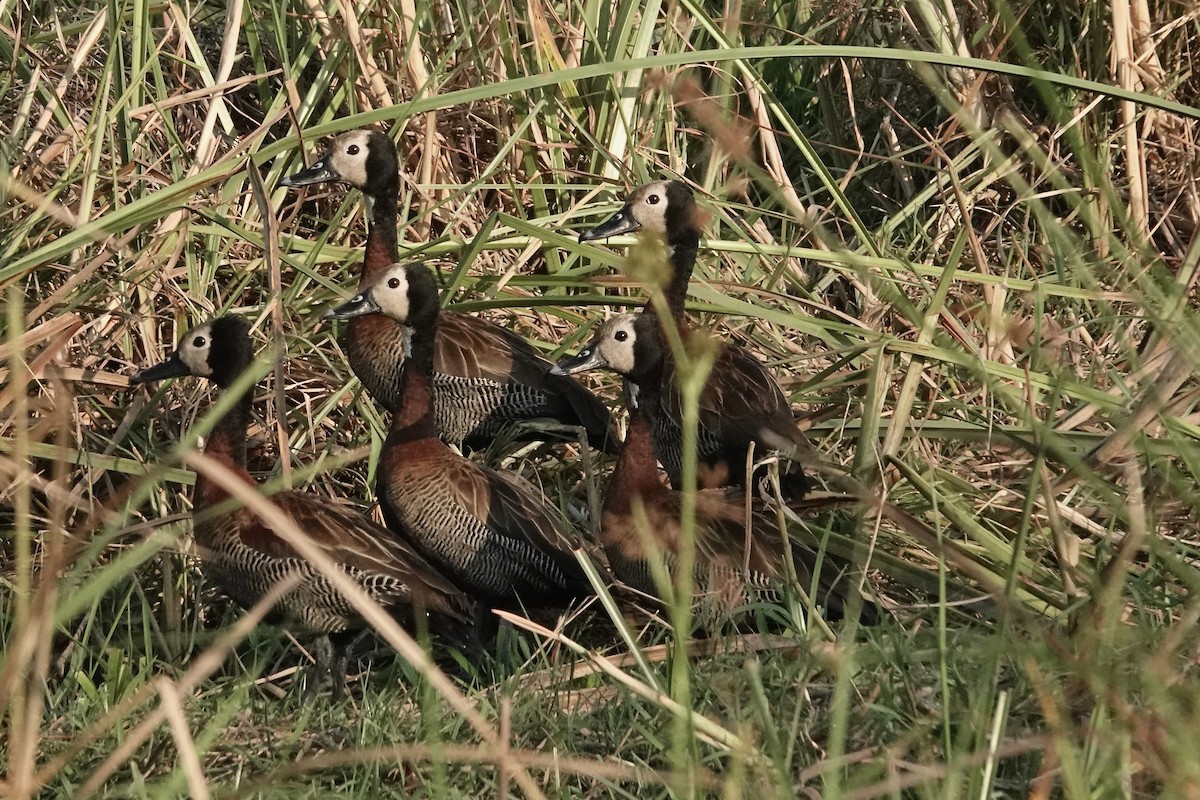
x=485 y=378
x=484 y=529
x=740 y=403
x=246 y=558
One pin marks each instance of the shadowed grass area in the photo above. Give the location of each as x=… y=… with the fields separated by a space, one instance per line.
x=964 y=239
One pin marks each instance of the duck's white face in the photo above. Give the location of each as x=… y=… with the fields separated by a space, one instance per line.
x=195 y=348
x=390 y=292
x=348 y=157
x=648 y=206
x=616 y=343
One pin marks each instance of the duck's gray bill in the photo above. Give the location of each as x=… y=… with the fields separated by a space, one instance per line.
x=319 y=172
x=356 y=306
x=173 y=367
x=588 y=358
x=621 y=222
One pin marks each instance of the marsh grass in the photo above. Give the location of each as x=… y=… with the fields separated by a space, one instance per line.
x=963 y=240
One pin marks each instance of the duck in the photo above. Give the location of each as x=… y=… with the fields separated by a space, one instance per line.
x=735 y=565
x=485 y=377
x=741 y=404
x=491 y=532
x=245 y=557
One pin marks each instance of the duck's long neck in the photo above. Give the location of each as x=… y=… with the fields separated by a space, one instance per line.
x=382 y=245
x=415 y=417
x=684 y=247
x=636 y=472
x=227 y=445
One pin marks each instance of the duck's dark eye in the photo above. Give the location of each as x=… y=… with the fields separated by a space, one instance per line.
x=352 y=150
x=652 y=199
x=621 y=336
x=198 y=342
x=393 y=283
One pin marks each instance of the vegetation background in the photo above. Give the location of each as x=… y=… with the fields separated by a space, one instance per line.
x=963 y=234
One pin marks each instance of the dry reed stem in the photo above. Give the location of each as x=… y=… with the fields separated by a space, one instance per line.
x=148 y=111
x=41 y=203
x=82 y=275
x=420 y=79
x=506 y=752
x=270 y=232
x=1123 y=58
x=774 y=162
x=91 y=36
x=51 y=329
x=185 y=745
x=1153 y=400
x=378 y=94
x=168 y=229
x=695 y=648
x=550 y=763
x=207 y=145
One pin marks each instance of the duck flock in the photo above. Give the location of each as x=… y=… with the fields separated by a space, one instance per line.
x=462 y=538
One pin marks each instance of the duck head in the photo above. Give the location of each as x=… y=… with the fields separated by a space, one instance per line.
x=218 y=350
x=405 y=292
x=662 y=207
x=627 y=344
x=364 y=159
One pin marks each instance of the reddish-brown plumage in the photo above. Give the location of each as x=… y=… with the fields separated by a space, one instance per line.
x=221 y=448
x=410 y=444
x=381 y=248
x=732 y=563
x=636 y=473
x=492 y=532
x=486 y=377
x=246 y=557
x=741 y=403
x=418 y=406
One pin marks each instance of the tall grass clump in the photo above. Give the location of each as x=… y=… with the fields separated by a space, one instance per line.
x=964 y=237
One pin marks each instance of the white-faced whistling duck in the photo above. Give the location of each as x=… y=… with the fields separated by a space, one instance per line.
x=245 y=557
x=741 y=403
x=491 y=532
x=484 y=376
x=726 y=576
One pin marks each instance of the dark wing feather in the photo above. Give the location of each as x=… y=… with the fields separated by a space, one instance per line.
x=513 y=509
x=742 y=403
x=554 y=529
x=469 y=346
x=745 y=402
x=355 y=542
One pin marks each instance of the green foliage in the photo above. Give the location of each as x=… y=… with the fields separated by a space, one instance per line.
x=937 y=230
